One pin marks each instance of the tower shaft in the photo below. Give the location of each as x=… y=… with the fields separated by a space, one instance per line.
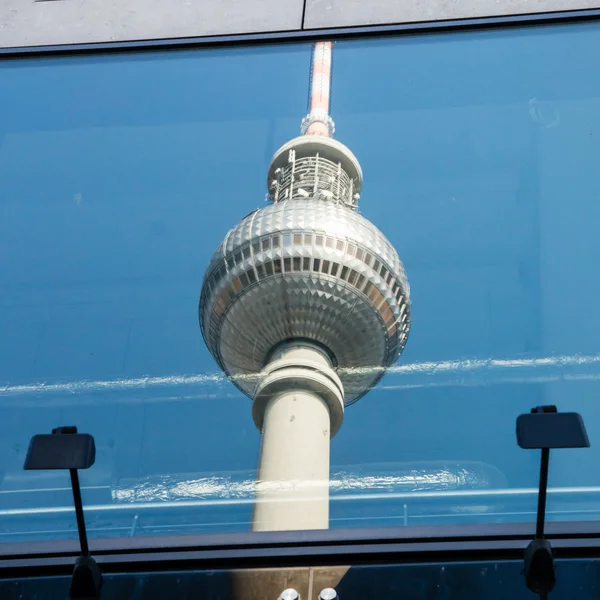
x=298 y=404
x=293 y=470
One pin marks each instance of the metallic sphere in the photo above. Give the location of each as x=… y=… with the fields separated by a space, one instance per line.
x=306 y=268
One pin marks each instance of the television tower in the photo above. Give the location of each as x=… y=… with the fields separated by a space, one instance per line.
x=304 y=305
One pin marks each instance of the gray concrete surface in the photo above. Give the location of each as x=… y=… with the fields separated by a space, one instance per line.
x=40 y=23
x=30 y=23
x=344 y=13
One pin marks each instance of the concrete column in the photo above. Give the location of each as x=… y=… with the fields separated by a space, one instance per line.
x=298 y=406
x=292 y=490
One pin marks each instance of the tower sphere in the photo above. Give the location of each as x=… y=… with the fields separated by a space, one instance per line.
x=307 y=267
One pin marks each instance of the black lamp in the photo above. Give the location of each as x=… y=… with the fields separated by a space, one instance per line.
x=544 y=428
x=64 y=448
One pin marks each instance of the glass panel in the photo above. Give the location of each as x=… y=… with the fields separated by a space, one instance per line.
x=454 y=580
x=481 y=155
x=472 y=580
x=254 y=584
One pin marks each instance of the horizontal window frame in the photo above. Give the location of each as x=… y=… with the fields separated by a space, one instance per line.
x=350 y=547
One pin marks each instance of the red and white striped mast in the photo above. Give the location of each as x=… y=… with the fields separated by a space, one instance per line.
x=318 y=121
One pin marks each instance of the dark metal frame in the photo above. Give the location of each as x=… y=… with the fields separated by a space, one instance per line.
x=308 y=548
x=406 y=545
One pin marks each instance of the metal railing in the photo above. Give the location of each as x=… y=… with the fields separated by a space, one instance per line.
x=315 y=177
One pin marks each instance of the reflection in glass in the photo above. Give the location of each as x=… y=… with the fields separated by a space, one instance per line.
x=111 y=204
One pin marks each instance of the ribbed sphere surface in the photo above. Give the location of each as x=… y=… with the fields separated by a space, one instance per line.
x=308 y=269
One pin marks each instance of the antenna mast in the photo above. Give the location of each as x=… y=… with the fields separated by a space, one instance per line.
x=318 y=121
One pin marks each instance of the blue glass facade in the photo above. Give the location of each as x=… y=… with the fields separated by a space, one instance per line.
x=120 y=174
